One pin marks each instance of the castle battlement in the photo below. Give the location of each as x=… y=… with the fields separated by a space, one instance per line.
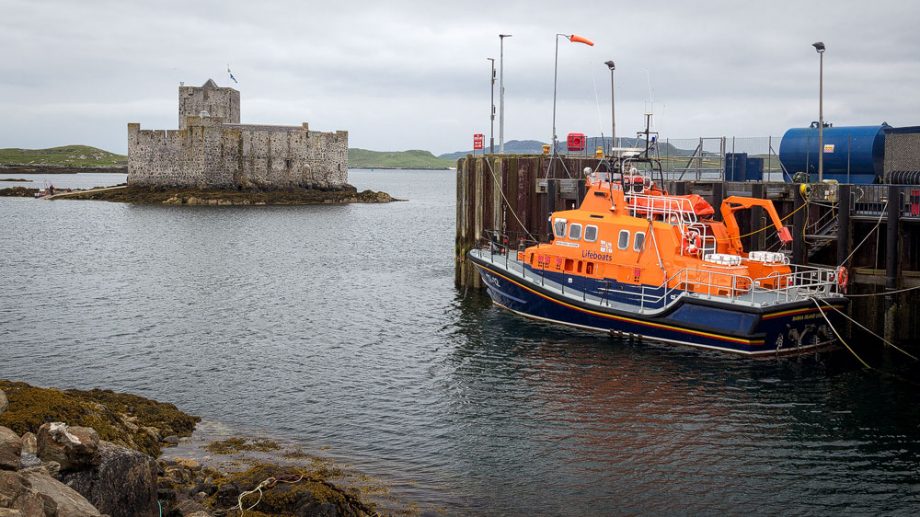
x=211 y=149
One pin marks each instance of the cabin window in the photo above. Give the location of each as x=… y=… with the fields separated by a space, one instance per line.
x=579 y=266
x=559 y=227
x=574 y=231
x=590 y=233
x=623 y=239
x=589 y=269
x=639 y=243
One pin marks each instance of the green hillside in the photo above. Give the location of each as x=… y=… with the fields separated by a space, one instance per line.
x=65 y=156
x=364 y=159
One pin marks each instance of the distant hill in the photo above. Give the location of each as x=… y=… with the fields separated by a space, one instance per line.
x=536 y=147
x=64 y=156
x=364 y=159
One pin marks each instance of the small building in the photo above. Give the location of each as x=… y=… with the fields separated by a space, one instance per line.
x=211 y=149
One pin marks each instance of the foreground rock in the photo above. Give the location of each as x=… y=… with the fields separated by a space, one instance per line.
x=10 y=449
x=73 y=448
x=122 y=484
x=185 y=196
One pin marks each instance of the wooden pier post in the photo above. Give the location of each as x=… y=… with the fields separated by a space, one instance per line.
x=843 y=224
x=891 y=260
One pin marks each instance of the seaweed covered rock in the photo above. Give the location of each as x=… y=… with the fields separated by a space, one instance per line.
x=73 y=448
x=10 y=449
x=123 y=484
x=124 y=419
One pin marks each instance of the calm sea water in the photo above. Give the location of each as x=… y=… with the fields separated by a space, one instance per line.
x=339 y=327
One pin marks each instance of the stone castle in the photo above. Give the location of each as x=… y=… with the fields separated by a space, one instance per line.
x=212 y=150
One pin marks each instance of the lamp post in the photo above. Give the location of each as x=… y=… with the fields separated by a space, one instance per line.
x=819 y=47
x=501 y=92
x=492 y=110
x=613 y=114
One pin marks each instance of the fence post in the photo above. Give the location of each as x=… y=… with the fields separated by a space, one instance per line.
x=843 y=224
x=891 y=259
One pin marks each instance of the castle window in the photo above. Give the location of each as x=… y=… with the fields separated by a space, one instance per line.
x=287 y=163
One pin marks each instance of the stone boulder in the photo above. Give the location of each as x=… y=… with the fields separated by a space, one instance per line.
x=74 y=448
x=16 y=495
x=4 y=403
x=66 y=501
x=10 y=449
x=123 y=484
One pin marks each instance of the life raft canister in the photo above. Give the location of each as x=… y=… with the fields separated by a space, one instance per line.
x=692 y=243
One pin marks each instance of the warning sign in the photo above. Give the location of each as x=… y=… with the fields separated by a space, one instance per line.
x=828 y=148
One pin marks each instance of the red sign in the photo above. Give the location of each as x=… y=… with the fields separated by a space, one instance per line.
x=576 y=141
x=478 y=141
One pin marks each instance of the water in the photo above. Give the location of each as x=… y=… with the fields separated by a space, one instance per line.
x=62 y=181
x=339 y=327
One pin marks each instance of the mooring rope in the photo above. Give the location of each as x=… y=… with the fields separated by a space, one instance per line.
x=839 y=336
x=860 y=325
x=268 y=482
x=505 y=199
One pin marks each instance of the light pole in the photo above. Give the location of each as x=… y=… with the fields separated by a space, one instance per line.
x=819 y=46
x=492 y=110
x=501 y=92
x=613 y=114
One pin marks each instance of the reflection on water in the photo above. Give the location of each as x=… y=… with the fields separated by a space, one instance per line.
x=340 y=327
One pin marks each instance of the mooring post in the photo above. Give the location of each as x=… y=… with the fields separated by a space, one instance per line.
x=843 y=224
x=550 y=206
x=756 y=241
x=891 y=259
x=798 y=225
x=718 y=194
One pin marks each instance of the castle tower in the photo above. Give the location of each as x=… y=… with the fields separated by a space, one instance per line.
x=222 y=104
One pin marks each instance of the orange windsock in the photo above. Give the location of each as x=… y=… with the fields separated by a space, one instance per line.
x=575 y=38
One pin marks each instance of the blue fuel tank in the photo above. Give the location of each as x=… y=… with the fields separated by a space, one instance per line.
x=853 y=154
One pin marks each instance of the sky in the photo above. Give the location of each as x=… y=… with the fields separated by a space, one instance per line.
x=415 y=75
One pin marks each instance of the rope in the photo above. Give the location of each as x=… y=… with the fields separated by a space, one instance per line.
x=886 y=293
x=860 y=325
x=877 y=224
x=831 y=325
x=269 y=482
x=505 y=199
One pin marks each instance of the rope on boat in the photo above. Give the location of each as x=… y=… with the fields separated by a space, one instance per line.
x=505 y=199
x=831 y=325
x=860 y=325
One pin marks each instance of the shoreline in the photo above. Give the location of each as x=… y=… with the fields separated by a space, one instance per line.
x=93 y=452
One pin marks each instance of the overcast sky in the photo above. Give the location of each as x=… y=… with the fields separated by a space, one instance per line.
x=406 y=75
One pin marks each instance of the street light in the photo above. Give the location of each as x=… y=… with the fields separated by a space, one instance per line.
x=492 y=110
x=613 y=114
x=574 y=38
x=819 y=47
x=501 y=93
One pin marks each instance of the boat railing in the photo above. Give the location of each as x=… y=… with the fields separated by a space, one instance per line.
x=675 y=210
x=800 y=284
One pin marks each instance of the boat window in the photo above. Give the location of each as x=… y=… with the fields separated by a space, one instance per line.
x=590 y=233
x=569 y=264
x=589 y=269
x=579 y=266
x=559 y=227
x=623 y=239
x=574 y=231
x=639 y=243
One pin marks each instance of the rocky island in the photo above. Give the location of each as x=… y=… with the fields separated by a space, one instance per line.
x=72 y=453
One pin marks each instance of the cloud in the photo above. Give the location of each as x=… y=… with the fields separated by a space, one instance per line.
x=402 y=75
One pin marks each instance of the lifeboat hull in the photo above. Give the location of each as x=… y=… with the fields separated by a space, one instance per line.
x=780 y=329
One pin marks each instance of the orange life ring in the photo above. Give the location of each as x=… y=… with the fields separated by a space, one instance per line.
x=843 y=278
x=692 y=243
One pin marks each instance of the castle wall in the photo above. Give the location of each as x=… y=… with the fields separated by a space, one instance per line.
x=208 y=154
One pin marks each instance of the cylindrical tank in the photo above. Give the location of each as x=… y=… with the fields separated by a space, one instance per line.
x=852 y=154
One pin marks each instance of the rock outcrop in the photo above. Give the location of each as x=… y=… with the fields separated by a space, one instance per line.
x=122 y=484
x=10 y=449
x=73 y=448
